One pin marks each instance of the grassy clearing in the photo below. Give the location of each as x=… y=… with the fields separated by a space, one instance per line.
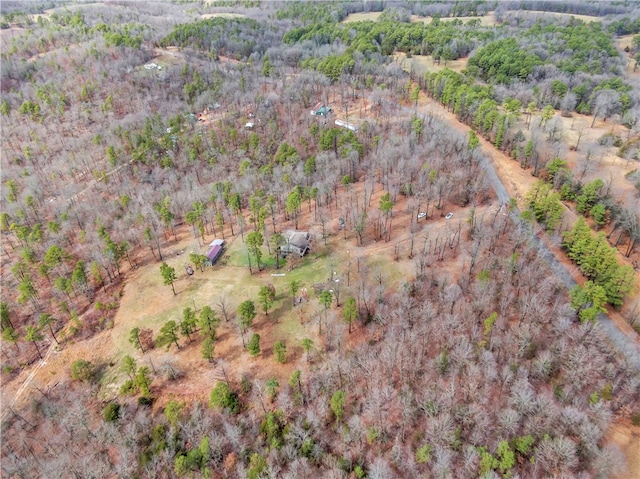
x=584 y=18
x=312 y=268
x=362 y=17
x=422 y=63
x=222 y=15
x=148 y=303
x=393 y=273
x=237 y=256
x=625 y=41
x=291 y=329
x=166 y=60
x=487 y=20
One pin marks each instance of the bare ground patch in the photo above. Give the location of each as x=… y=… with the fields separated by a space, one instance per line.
x=627 y=438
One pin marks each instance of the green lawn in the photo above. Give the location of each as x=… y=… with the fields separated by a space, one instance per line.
x=148 y=303
x=238 y=256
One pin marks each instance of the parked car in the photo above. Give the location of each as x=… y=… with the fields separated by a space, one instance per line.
x=449 y=216
x=422 y=214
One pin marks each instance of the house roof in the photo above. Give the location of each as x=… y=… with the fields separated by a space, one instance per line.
x=299 y=239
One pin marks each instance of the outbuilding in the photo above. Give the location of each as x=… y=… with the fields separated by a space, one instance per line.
x=214 y=251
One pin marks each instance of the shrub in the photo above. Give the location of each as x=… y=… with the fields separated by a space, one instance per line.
x=606 y=392
x=82 y=370
x=423 y=455
x=337 y=403
x=111 y=412
x=257 y=465
x=223 y=397
x=253 y=346
x=306 y=449
x=128 y=388
x=372 y=434
x=280 y=350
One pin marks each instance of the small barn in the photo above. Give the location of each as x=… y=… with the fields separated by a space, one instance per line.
x=214 y=251
x=297 y=242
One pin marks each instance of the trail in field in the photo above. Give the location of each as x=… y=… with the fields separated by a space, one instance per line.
x=26 y=383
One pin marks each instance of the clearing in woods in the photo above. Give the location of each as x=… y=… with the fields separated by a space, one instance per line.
x=485 y=20
x=147 y=303
x=540 y=13
x=625 y=44
x=222 y=15
x=422 y=63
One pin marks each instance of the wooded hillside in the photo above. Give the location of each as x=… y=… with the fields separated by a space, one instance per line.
x=422 y=334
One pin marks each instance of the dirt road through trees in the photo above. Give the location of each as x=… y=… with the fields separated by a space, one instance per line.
x=508 y=182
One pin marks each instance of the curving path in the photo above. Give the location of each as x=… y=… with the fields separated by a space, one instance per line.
x=42 y=362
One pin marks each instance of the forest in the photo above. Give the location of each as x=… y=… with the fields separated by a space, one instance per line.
x=465 y=176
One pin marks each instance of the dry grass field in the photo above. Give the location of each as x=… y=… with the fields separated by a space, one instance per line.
x=222 y=15
x=538 y=13
x=632 y=69
x=486 y=20
x=362 y=17
x=424 y=63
